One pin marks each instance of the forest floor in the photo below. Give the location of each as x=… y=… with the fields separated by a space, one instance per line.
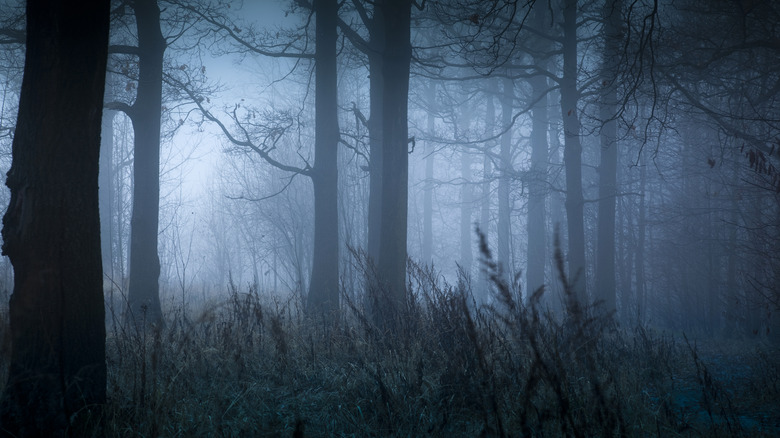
x=729 y=381
x=254 y=365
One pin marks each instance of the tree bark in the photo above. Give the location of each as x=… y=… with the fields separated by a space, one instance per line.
x=427 y=248
x=395 y=157
x=375 y=126
x=504 y=233
x=466 y=201
x=143 y=294
x=639 y=259
x=557 y=203
x=51 y=230
x=625 y=250
x=572 y=155
x=484 y=218
x=537 y=187
x=605 y=264
x=324 y=284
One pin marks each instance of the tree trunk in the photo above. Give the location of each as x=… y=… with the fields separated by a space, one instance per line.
x=625 y=244
x=375 y=122
x=143 y=295
x=507 y=105
x=537 y=188
x=466 y=201
x=324 y=285
x=605 y=264
x=51 y=230
x=639 y=260
x=427 y=248
x=572 y=155
x=395 y=156
x=557 y=209
x=484 y=217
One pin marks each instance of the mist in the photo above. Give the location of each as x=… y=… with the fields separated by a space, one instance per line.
x=442 y=217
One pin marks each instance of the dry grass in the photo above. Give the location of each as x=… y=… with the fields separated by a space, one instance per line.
x=254 y=366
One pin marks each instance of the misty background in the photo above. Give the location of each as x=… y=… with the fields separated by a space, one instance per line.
x=685 y=93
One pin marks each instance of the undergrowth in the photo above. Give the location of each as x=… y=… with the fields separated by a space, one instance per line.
x=254 y=365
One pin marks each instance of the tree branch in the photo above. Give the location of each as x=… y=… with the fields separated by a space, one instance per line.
x=261 y=150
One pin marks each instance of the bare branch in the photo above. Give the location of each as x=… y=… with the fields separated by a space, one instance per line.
x=263 y=150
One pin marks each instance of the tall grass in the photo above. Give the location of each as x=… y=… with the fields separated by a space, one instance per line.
x=254 y=365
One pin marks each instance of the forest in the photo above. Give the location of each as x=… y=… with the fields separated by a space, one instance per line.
x=533 y=218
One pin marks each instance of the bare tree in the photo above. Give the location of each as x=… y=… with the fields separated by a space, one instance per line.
x=397 y=54
x=323 y=295
x=143 y=294
x=605 y=265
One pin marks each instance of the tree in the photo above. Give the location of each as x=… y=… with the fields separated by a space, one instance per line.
x=143 y=290
x=466 y=192
x=323 y=293
x=504 y=231
x=372 y=48
x=324 y=287
x=427 y=246
x=487 y=168
x=397 y=55
x=605 y=264
x=572 y=153
x=51 y=229
x=537 y=190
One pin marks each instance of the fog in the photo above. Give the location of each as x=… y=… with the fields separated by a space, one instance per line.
x=693 y=124
x=403 y=217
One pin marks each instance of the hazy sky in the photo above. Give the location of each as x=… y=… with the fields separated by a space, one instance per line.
x=203 y=148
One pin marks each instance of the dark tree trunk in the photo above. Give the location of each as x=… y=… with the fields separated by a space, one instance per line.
x=51 y=229
x=143 y=295
x=466 y=201
x=537 y=242
x=484 y=216
x=376 y=46
x=625 y=250
x=324 y=287
x=537 y=188
x=427 y=247
x=572 y=154
x=395 y=157
x=605 y=264
x=556 y=198
x=504 y=231
x=641 y=225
